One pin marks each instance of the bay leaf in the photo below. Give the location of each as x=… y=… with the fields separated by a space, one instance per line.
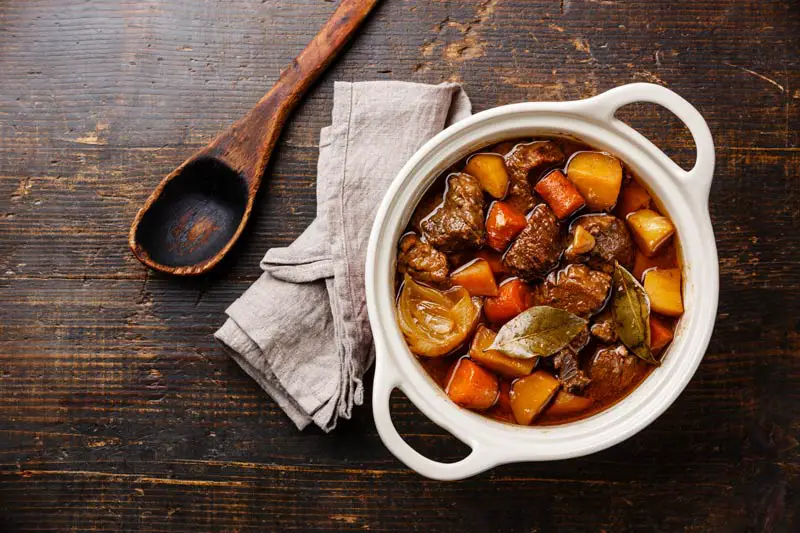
x=630 y=308
x=538 y=332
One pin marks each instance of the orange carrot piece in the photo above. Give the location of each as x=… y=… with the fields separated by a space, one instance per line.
x=660 y=332
x=512 y=298
x=471 y=386
x=565 y=404
x=494 y=258
x=665 y=258
x=632 y=198
x=504 y=398
x=477 y=277
x=503 y=223
x=502 y=409
x=560 y=194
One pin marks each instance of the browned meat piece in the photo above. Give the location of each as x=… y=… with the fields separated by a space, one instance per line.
x=612 y=242
x=521 y=196
x=421 y=261
x=566 y=361
x=574 y=288
x=613 y=371
x=458 y=222
x=537 y=249
x=603 y=327
x=523 y=159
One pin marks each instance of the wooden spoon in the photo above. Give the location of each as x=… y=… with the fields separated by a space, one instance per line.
x=196 y=214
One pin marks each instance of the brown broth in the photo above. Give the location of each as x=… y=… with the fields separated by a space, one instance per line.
x=668 y=257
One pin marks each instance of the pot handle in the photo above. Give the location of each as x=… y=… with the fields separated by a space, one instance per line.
x=386 y=380
x=698 y=180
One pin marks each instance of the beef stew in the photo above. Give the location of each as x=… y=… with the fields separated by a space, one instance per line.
x=539 y=283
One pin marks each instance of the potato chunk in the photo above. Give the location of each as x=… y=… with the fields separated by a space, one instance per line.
x=598 y=177
x=663 y=287
x=650 y=230
x=531 y=394
x=497 y=361
x=490 y=169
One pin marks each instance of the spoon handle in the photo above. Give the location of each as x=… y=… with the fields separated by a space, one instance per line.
x=246 y=146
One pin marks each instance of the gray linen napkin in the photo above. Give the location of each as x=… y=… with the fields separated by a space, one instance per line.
x=301 y=330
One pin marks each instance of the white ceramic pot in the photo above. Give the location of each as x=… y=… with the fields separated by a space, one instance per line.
x=683 y=194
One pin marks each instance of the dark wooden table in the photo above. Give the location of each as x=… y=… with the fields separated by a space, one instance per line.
x=118 y=411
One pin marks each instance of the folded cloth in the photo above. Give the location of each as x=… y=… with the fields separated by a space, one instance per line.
x=301 y=330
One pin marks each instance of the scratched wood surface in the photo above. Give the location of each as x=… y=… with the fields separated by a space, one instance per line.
x=119 y=412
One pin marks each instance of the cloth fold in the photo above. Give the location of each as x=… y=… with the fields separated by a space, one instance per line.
x=301 y=330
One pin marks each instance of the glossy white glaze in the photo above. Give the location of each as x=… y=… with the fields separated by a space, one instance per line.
x=683 y=194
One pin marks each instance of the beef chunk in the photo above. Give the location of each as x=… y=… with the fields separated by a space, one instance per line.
x=537 y=249
x=566 y=361
x=612 y=242
x=603 y=327
x=458 y=222
x=421 y=261
x=576 y=289
x=523 y=159
x=613 y=371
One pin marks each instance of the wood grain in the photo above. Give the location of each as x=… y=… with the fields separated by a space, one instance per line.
x=118 y=411
x=196 y=214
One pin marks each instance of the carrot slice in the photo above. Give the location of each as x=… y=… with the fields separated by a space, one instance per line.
x=560 y=194
x=632 y=198
x=665 y=258
x=503 y=223
x=660 y=332
x=477 y=277
x=565 y=404
x=471 y=386
x=502 y=409
x=504 y=398
x=512 y=299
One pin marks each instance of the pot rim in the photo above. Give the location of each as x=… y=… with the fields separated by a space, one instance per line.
x=683 y=194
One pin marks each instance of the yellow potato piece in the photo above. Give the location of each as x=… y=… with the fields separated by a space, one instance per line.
x=663 y=287
x=598 y=177
x=490 y=170
x=497 y=361
x=650 y=230
x=530 y=395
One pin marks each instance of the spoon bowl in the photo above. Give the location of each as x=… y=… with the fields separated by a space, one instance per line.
x=195 y=215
